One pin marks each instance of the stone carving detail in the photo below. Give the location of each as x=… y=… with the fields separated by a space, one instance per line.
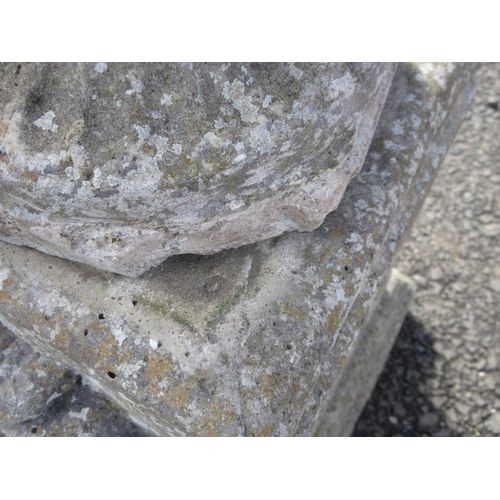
x=123 y=165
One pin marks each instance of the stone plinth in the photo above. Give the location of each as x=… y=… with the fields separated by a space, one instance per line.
x=248 y=341
x=40 y=397
x=366 y=360
x=120 y=166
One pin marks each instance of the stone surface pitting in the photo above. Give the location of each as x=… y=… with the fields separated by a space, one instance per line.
x=248 y=341
x=39 y=397
x=122 y=165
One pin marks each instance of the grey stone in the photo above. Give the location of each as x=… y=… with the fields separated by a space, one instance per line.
x=251 y=340
x=436 y=274
x=495 y=284
x=122 y=165
x=39 y=397
x=442 y=433
x=438 y=401
x=451 y=418
x=367 y=358
x=399 y=410
x=459 y=287
x=492 y=361
x=490 y=229
x=462 y=408
x=428 y=420
x=493 y=423
x=486 y=218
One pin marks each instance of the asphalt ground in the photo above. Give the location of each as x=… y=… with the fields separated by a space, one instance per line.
x=443 y=374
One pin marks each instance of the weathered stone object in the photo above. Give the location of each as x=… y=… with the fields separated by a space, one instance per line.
x=122 y=165
x=254 y=340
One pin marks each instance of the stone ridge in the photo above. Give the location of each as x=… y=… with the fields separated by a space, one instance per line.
x=120 y=166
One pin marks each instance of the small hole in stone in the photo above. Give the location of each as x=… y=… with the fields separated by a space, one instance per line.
x=134 y=303
x=33 y=430
x=111 y=375
x=346 y=268
x=159 y=344
x=85 y=332
x=101 y=316
x=493 y=105
x=186 y=354
x=288 y=346
x=47 y=317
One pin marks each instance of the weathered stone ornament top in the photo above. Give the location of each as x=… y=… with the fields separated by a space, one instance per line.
x=123 y=165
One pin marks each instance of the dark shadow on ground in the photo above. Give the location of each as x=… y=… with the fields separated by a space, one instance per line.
x=399 y=404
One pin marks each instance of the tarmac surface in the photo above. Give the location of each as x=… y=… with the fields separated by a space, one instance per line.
x=443 y=375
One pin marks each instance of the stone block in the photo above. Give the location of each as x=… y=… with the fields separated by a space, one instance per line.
x=120 y=166
x=40 y=397
x=248 y=341
x=367 y=357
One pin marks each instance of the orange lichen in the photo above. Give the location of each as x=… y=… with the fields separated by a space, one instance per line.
x=294 y=312
x=333 y=319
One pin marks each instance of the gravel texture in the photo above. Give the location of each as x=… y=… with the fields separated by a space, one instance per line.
x=443 y=375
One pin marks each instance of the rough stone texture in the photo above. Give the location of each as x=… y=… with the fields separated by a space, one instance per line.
x=443 y=376
x=123 y=165
x=39 y=397
x=367 y=357
x=248 y=341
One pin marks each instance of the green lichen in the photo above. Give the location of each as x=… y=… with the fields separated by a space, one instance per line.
x=166 y=311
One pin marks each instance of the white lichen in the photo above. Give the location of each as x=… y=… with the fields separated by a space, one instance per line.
x=214 y=141
x=295 y=72
x=166 y=100
x=81 y=415
x=397 y=128
x=120 y=332
x=45 y=121
x=236 y=204
x=235 y=93
x=101 y=67
x=334 y=88
x=177 y=149
x=143 y=132
x=219 y=123
x=72 y=173
x=4 y=274
x=241 y=157
x=97 y=180
x=137 y=85
x=240 y=147
x=215 y=77
x=260 y=140
x=112 y=181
